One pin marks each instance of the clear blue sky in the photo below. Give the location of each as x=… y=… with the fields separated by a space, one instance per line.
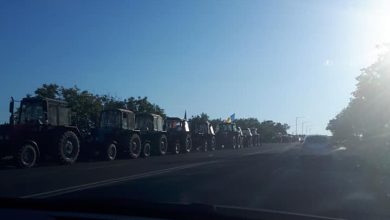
x=271 y=60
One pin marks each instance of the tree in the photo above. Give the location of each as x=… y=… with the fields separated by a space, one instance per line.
x=198 y=119
x=86 y=106
x=144 y=105
x=48 y=91
x=216 y=122
x=367 y=115
x=248 y=123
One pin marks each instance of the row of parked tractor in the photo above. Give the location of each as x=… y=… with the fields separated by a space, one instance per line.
x=42 y=130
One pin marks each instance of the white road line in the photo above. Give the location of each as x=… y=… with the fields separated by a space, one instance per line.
x=111 y=181
x=269 y=150
x=258 y=152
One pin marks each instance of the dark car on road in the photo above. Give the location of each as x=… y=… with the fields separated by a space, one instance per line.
x=203 y=136
x=316 y=145
x=179 y=136
x=116 y=135
x=42 y=129
x=153 y=136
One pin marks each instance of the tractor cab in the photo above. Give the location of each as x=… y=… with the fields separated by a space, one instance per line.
x=117 y=119
x=149 y=122
x=173 y=124
x=41 y=111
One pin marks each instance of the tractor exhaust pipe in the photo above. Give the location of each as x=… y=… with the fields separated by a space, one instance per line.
x=11 y=110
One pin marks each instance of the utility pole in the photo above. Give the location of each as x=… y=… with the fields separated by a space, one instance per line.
x=308 y=129
x=303 y=123
x=296 y=124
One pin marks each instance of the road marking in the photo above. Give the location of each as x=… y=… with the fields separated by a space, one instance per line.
x=287 y=213
x=270 y=150
x=81 y=187
x=258 y=152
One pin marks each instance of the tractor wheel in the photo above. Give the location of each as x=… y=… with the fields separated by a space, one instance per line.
x=162 y=145
x=187 y=144
x=27 y=156
x=205 y=146
x=134 y=146
x=213 y=144
x=146 y=149
x=234 y=142
x=110 y=152
x=176 y=147
x=68 y=148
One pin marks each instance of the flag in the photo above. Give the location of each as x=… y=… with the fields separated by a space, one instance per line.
x=231 y=118
x=185 y=115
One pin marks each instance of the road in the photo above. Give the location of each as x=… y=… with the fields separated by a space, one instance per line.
x=272 y=177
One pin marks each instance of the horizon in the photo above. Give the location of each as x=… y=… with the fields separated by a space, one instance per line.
x=267 y=60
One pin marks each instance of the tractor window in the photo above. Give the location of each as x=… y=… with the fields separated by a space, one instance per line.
x=144 y=123
x=159 y=126
x=155 y=123
x=63 y=116
x=52 y=114
x=226 y=127
x=110 y=119
x=174 y=124
x=31 y=113
x=202 y=128
x=125 y=121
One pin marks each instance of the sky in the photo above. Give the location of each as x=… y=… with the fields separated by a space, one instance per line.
x=273 y=60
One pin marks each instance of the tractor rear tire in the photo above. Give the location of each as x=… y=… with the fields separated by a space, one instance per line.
x=68 y=148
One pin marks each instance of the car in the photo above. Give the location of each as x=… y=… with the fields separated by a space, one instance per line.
x=179 y=135
x=317 y=145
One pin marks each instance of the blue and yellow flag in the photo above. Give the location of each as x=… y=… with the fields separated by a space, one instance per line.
x=231 y=118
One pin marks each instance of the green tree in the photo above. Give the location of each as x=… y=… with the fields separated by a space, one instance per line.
x=197 y=119
x=86 y=106
x=216 y=122
x=144 y=105
x=367 y=115
x=248 y=123
x=48 y=91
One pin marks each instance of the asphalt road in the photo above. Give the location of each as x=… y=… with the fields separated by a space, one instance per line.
x=273 y=177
